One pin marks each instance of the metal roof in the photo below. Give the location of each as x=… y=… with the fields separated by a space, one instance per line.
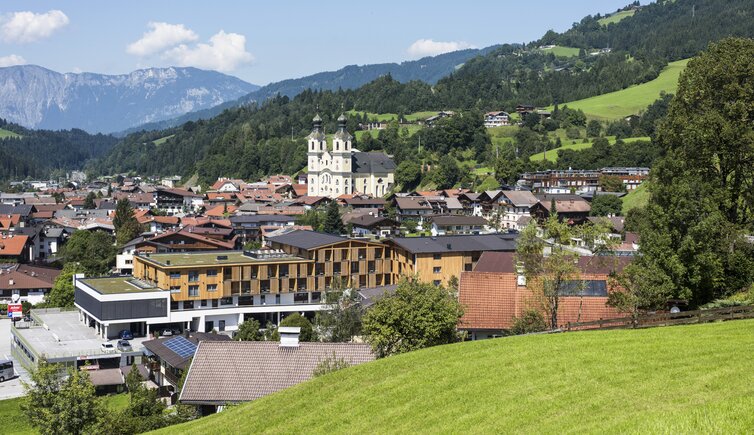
x=461 y=243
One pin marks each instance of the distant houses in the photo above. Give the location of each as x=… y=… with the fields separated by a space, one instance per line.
x=496 y=119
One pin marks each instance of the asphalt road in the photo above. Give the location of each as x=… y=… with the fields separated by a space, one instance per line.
x=13 y=387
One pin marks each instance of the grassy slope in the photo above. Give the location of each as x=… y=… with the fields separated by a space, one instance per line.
x=7 y=133
x=562 y=51
x=632 y=100
x=688 y=379
x=636 y=198
x=13 y=422
x=552 y=155
x=162 y=140
x=614 y=18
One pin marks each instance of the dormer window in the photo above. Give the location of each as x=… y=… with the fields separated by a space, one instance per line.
x=337 y=145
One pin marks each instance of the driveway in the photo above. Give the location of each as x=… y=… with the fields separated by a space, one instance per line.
x=10 y=388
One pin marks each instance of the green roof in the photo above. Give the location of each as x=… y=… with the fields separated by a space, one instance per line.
x=118 y=285
x=212 y=258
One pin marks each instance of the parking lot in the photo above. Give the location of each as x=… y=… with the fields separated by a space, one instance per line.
x=13 y=387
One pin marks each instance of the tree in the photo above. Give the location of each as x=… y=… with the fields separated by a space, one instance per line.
x=447 y=174
x=611 y=183
x=531 y=321
x=593 y=128
x=56 y=405
x=606 y=205
x=89 y=201
x=341 y=321
x=408 y=174
x=296 y=319
x=333 y=224
x=700 y=190
x=125 y=223
x=416 y=316
x=638 y=289
x=92 y=250
x=248 y=331
x=143 y=401
x=61 y=294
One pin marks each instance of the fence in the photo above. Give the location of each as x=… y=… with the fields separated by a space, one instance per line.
x=666 y=319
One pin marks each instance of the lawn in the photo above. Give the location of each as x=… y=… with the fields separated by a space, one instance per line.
x=632 y=100
x=679 y=379
x=13 y=422
x=411 y=117
x=638 y=197
x=562 y=51
x=552 y=155
x=162 y=140
x=7 y=133
x=412 y=128
x=614 y=18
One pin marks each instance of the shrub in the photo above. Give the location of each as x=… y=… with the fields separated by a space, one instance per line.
x=531 y=321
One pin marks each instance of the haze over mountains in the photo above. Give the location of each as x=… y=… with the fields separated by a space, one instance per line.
x=36 y=97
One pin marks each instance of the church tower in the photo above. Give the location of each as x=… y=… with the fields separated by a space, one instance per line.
x=341 y=153
x=316 y=147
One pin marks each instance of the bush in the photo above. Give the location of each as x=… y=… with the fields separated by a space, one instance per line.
x=329 y=365
x=296 y=319
x=531 y=321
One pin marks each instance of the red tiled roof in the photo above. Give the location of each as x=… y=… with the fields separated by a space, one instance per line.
x=12 y=245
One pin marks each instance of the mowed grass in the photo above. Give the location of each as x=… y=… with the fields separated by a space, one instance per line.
x=561 y=51
x=412 y=128
x=162 y=140
x=638 y=197
x=13 y=422
x=680 y=379
x=552 y=155
x=614 y=18
x=632 y=100
x=7 y=133
x=411 y=117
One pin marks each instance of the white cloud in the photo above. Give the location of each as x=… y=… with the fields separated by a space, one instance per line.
x=161 y=37
x=224 y=52
x=12 y=59
x=428 y=47
x=27 y=26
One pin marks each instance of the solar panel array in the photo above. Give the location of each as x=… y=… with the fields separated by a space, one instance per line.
x=181 y=347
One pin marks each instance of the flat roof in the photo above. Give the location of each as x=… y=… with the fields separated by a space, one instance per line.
x=66 y=337
x=210 y=258
x=118 y=285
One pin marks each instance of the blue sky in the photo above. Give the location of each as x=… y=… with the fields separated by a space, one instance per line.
x=267 y=42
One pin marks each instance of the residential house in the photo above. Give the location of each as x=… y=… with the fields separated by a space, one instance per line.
x=496 y=119
x=454 y=225
x=412 y=207
x=570 y=208
x=27 y=283
x=168 y=357
x=370 y=225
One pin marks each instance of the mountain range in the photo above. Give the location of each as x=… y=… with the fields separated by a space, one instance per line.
x=36 y=97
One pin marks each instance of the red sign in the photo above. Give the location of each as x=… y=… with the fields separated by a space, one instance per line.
x=16 y=310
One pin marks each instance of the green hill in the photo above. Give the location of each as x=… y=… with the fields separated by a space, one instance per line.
x=616 y=17
x=552 y=155
x=7 y=133
x=633 y=99
x=681 y=379
x=636 y=198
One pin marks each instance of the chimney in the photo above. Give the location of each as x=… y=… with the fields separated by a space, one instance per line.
x=289 y=336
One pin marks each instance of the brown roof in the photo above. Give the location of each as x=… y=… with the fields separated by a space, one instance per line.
x=520 y=198
x=442 y=221
x=491 y=261
x=412 y=203
x=27 y=277
x=104 y=377
x=566 y=203
x=239 y=371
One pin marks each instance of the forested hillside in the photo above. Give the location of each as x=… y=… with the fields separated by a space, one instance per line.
x=39 y=153
x=262 y=139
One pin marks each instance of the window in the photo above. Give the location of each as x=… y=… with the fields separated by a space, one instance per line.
x=468 y=267
x=246 y=300
x=319 y=269
x=336 y=268
x=362 y=254
x=283 y=270
x=193 y=276
x=214 y=303
x=437 y=256
x=226 y=301
x=204 y=302
x=584 y=288
x=436 y=282
x=370 y=266
x=175 y=275
x=378 y=253
x=188 y=305
x=316 y=297
x=173 y=306
x=193 y=290
x=301 y=298
x=355 y=267
x=277 y=299
x=212 y=272
x=437 y=270
x=211 y=287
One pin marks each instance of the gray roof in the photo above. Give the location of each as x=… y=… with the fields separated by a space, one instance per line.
x=24 y=210
x=260 y=218
x=464 y=243
x=240 y=371
x=365 y=221
x=372 y=162
x=104 y=377
x=304 y=239
x=371 y=295
x=158 y=348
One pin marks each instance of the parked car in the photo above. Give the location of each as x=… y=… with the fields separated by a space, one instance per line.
x=124 y=346
x=108 y=347
x=166 y=332
x=126 y=335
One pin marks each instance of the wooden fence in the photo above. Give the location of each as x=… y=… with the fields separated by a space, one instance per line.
x=666 y=319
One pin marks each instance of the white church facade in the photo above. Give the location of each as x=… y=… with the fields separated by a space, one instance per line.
x=338 y=169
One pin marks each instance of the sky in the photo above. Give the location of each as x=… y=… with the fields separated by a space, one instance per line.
x=266 y=42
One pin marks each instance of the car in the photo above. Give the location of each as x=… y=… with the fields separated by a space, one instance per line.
x=167 y=332
x=124 y=346
x=108 y=347
x=126 y=335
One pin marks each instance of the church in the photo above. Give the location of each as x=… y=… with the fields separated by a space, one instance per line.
x=339 y=169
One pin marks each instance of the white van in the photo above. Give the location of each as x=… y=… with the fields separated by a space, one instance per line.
x=6 y=370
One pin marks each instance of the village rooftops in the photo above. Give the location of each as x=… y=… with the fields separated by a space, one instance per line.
x=216 y=258
x=119 y=285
